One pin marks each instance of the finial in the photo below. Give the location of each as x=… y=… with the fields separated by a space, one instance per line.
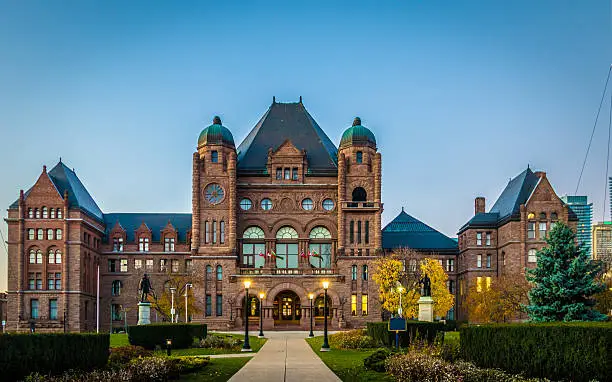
x=21 y=195
x=300 y=99
x=44 y=169
x=273 y=99
x=216 y=120
x=60 y=159
x=357 y=121
x=527 y=166
x=402 y=209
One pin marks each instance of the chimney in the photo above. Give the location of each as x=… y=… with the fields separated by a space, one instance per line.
x=479 y=205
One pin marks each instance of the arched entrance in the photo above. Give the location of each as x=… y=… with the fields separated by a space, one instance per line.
x=287 y=308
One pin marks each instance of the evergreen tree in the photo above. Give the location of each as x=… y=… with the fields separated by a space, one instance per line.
x=564 y=280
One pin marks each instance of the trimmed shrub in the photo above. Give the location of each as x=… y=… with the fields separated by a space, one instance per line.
x=424 y=331
x=376 y=360
x=574 y=351
x=124 y=354
x=219 y=341
x=51 y=353
x=352 y=339
x=151 y=335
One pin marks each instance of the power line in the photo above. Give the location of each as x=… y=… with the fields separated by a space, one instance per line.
x=593 y=131
x=3 y=242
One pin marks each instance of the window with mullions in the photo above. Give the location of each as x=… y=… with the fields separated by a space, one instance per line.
x=294 y=173
x=279 y=173
x=287 y=252
x=169 y=244
x=214 y=156
x=287 y=174
x=320 y=246
x=253 y=248
x=359 y=157
x=354 y=272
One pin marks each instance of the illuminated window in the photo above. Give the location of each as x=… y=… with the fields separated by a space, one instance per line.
x=353 y=305
x=138 y=264
x=364 y=304
x=478 y=284
x=124 y=265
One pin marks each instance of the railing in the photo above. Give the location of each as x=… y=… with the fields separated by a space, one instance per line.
x=360 y=205
x=288 y=271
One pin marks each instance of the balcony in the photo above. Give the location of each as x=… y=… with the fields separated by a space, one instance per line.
x=288 y=271
x=361 y=206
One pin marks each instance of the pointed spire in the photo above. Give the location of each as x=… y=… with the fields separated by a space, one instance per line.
x=273 y=100
x=402 y=208
x=300 y=99
x=60 y=159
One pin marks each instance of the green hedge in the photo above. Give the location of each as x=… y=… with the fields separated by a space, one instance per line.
x=149 y=336
x=52 y=353
x=572 y=351
x=428 y=331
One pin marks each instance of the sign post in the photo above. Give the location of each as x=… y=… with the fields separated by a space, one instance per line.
x=397 y=324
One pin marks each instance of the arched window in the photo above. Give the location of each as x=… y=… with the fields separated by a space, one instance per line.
x=58 y=234
x=253 y=248
x=542 y=215
x=412 y=265
x=30 y=213
x=32 y=256
x=209 y=272
x=116 y=288
x=45 y=213
x=253 y=232
x=359 y=194
x=52 y=213
x=37 y=213
x=286 y=248
x=364 y=273
x=320 y=247
x=39 y=234
x=58 y=257
x=59 y=213
x=253 y=305
x=553 y=216
x=49 y=234
x=354 y=272
x=51 y=257
x=39 y=257
x=531 y=256
x=219 y=273
x=319 y=306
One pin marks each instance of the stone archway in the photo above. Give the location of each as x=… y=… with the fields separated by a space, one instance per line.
x=287 y=309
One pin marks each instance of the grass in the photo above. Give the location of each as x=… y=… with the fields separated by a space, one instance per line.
x=347 y=364
x=451 y=338
x=218 y=370
x=117 y=340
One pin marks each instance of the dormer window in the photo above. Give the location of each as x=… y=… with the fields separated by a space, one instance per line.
x=30 y=213
x=45 y=213
x=359 y=157
x=287 y=174
x=37 y=212
x=214 y=156
x=294 y=173
x=169 y=244
x=118 y=244
x=279 y=173
x=52 y=213
x=59 y=213
x=143 y=244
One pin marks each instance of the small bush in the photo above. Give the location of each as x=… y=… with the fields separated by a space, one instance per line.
x=217 y=341
x=124 y=354
x=427 y=331
x=51 y=353
x=376 y=360
x=352 y=339
x=574 y=351
x=149 y=336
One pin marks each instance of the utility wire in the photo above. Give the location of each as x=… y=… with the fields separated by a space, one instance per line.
x=593 y=131
x=607 y=160
x=3 y=242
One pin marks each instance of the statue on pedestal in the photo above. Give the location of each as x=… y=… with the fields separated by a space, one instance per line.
x=426 y=282
x=145 y=288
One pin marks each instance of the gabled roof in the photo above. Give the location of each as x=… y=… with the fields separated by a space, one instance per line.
x=66 y=179
x=516 y=193
x=154 y=221
x=287 y=121
x=406 y=231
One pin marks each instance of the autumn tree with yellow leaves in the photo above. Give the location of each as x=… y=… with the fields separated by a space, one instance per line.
x=498 y=300
x=400 y=273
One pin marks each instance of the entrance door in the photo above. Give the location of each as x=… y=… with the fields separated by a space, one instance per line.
x=287 y=308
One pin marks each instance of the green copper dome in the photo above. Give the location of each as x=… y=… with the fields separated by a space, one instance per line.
x=216 y=134
x=358 y=135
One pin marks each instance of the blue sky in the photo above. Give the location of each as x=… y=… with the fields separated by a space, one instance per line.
x=461 y=95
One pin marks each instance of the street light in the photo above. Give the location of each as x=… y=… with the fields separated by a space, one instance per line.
x=168 y=347
x=261 y=297
x=246 y=346
x=172 y=290
x=400 y=289
x=325 y=346
x=187 y=290
x=310 y=297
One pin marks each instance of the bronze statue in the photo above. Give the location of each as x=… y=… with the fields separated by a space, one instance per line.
x=426 y=281
x=145 y=288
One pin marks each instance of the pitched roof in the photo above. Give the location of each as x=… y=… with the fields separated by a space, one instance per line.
x=66 y=179
x=516 y=193
x=155 y=221
x=287 y=121
x=406 y=231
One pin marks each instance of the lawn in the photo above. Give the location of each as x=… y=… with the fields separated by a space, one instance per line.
x=218 y=370
x=256 y=344
x=347 y=364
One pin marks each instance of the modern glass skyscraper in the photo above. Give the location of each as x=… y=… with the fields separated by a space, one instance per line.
x=584 y=210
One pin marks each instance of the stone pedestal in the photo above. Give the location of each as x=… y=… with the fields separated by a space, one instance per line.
x=426 y=309
x=144 y=313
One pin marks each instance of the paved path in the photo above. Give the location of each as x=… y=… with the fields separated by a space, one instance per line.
x=285 y=357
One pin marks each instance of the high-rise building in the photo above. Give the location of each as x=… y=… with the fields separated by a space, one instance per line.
x=602 y=242
x=584 y=210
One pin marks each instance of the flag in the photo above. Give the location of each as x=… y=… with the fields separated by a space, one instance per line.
x=315 y=254
x=261 y=254
x=277 y=256
x=303 y=254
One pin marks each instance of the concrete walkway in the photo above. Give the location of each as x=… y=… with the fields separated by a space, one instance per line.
x=285 y=357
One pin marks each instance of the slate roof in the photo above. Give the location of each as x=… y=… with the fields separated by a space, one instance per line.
x=406 y=231
x=287 y=121
x=66 y=179
x=155 y=221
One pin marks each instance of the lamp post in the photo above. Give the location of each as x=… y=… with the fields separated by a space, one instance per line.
x=168 y=347
x=400 y=289
x=325 y=346
x=246 y=346
x=187 y=290
x=261 y=297
x=311 y=297
x=172 y=290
